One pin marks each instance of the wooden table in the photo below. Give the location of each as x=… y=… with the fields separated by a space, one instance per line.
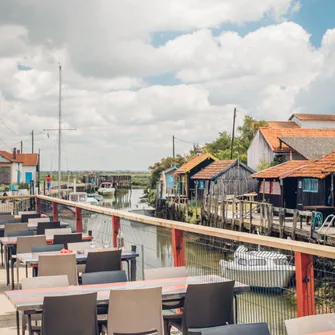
x=126 y=256
x=8 y=242
x=31 y=301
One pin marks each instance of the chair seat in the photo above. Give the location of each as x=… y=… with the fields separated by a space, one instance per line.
x=81 y=268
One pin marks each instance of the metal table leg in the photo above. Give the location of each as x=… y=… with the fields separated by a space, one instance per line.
x=1 y=254
x=17 y=323
x=30 y=332
x=133 y=269
x=235 y=305
x=7 y=264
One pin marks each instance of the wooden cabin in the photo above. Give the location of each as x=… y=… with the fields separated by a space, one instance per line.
x=167 y=181
x=185 y=185
x=298 y=184
x=225 y=177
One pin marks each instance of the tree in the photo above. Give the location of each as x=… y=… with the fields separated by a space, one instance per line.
x=162 y=165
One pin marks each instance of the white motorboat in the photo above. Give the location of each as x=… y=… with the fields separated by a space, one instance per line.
x=82 y=197
x=259 y=269
x=106 y=189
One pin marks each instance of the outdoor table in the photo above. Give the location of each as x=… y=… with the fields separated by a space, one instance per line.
x=331 y=332
x=9 y=242
x=31 y=301
x=126 y=256
x=32 y=226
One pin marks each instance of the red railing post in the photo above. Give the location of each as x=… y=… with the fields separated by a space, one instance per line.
x=178 y=247
x=54 y=211
x=38 y=205
x=79 y=220
x=115 y=229
x=304 y=274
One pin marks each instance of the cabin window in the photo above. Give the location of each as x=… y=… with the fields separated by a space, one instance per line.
x=275 y=188
x=310 y=185
x=256 y=262
x=242 y=261
x=265 y=187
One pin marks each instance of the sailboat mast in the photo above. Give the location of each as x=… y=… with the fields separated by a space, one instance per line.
x=59 y=129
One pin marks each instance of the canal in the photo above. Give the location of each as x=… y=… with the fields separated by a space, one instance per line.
x=154 y=246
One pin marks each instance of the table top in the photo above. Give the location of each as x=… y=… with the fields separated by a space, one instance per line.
x=33 y=225
x=172 y=288
x=331 y=332
x=13 y=240
x=32 y=258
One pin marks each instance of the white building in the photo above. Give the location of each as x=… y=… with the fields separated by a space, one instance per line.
x=315 y=121
x=16 y=167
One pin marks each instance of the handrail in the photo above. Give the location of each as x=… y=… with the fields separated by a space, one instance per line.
x=14 y=197
x=273 y=242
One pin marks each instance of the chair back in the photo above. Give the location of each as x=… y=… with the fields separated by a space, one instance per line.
x=8 y=220
x=79 y=245
x=25 y=244
x=49 y=233
x=38 y=220
x=135 y=311
x=104 y=277
x=42 y=226
x=168 y=272
x=103 y=261
x=20 y=213
x=25 y=217
x=208 y=305
x=310 y=324
x=71 y=314
x=62 y=264
x=66 y=238
x=6 y=214
x=47 y=248
x=44 y=282
x=243 y=329
x=15 y=227
x=20 y=233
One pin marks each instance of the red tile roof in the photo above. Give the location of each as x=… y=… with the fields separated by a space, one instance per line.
x=271 y=135
x=281 y=124
x=314 y=117
x=213 y=169
x=281 y=171
x=194 y=162
x=25 y=159
x=320 y=168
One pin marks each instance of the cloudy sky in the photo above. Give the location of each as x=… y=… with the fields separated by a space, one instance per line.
x=136 y=72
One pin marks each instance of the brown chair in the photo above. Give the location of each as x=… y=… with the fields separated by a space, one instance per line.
x=62 y=264
x=56 y=231
x=79 y=246
x=10 y=227
x=71 y=314
x=103 y=261
x=206 y=305
x=135 y=311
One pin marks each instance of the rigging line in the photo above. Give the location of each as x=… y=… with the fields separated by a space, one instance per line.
x=3 y=122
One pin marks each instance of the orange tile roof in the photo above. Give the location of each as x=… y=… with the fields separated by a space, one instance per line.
x=194 y=162
x=25 y=159
x=320 y=168
x=314 y=117
x=213 y=169
x=271 y=135
x=281 y=124
x=281 y=171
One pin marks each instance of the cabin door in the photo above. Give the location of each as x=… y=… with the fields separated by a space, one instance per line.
x=290 y=193
x=29 y=177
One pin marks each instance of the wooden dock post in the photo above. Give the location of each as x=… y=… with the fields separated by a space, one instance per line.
x=294 y=226
x=233 y=215
x=250 y=214
x=270 y=219
x=241 y=216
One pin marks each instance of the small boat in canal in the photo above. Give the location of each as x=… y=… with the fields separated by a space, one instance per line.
x=83 y=198
x=259 y=269
x=106 y=189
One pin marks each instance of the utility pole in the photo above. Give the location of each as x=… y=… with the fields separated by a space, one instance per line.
x=233 y=135
x=173 y=149
x=59 y=127
x=39 y=172
x=21 y=147
x=32 y=141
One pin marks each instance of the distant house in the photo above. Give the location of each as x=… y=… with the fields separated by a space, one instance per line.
x=17 y=168
x=271 y=142
x=297 y=184
x=314 y=121
x=168 y=182
x=184 y=182
x=225 y=177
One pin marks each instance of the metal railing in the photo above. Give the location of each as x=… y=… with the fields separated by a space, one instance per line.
x=288 y=279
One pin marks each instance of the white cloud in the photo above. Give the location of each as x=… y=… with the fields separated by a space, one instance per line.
x=107 y=53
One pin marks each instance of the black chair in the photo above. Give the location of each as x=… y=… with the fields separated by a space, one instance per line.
x=42 y=226
x=247 y=329
x=2 y=221
x=103 y=261
x=47 y=248
x=68 y=238
x=25 y=217
x=104 y=277
x=72 y=314
x=5 y=213
x=206 y=305
x=20 y=233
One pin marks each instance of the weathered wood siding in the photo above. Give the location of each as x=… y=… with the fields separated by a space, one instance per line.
x=313 y=198
x=5 y=175
x=235 y=181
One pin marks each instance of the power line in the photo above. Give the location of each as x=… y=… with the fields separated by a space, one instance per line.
x=12 y=131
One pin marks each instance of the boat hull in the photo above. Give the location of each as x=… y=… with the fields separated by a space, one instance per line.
x=106 y=192
x=269 y=279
